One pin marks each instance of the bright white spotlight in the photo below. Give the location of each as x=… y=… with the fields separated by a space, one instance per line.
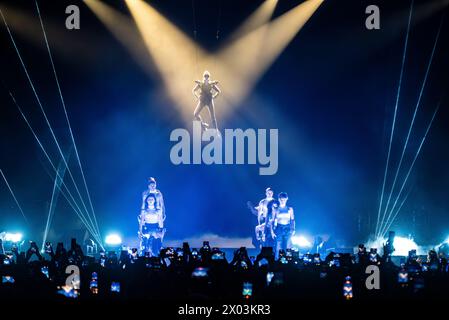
x=403 y=245
x=13 y=237
x=301 y=242
x=113 y=240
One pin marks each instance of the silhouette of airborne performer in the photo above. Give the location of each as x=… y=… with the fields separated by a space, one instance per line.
x=208 y=91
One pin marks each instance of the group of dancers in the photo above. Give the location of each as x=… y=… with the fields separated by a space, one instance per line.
x=275 y=221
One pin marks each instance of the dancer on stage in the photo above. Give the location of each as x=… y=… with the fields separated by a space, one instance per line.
x=284 y=223
x=262 y=207
x=153 y=190
x=208 y=91
x=269 y=236
x=262 y=214
x=151 y=226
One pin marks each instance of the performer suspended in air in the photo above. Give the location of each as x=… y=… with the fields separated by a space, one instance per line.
x=151 y=226
x=284 y=223
x=208 y=91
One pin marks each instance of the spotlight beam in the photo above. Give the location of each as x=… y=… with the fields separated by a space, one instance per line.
x=14 y=196
x=124 y=30
x=43 y=111
x=95 y=223
x=25 y=24
x=237 y=67
x=257 y=19
x=173 y=53
x=245 y=60
x=413 y=162
x=404 y=55
x=414 y=117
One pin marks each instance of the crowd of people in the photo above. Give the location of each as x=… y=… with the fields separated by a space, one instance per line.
x=277 y=273
x=188 y=274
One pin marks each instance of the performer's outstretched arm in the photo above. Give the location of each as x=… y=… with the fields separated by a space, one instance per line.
x=217 y=90
x=162 y=205
x=260 y=211
x=195 y=89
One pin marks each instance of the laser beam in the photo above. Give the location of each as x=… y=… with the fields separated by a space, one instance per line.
x=14 y=196
x=415 y=158
x=42 y=110
x=414 y=116
x=404 y=55
x=95 y=223
x=78 y=211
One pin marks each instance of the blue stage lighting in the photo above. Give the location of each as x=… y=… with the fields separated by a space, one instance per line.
x=301 y=241
x=113 y=239
x=403 y=245
x=13 y=237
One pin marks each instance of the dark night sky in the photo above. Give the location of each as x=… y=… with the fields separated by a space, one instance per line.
x=331 y=93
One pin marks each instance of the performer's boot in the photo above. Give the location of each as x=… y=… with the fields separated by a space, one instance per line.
x=204 y=126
